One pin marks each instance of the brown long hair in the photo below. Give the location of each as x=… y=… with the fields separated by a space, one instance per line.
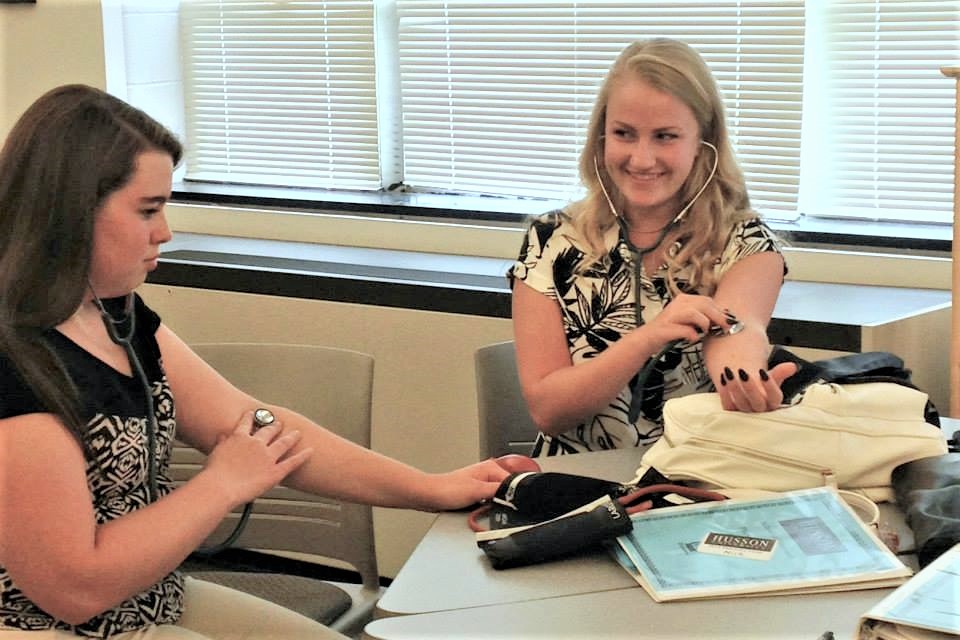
x=675 y=68
x=73 y=147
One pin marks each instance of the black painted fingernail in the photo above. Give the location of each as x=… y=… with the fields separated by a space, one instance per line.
x=727 y=372
x=723 y=381
x=743 y=375
x=763 y=375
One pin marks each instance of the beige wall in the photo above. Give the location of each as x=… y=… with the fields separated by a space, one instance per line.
x=44 y=45
x=425 y=403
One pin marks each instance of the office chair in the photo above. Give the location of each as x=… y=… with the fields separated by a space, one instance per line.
x=334 y=388
x=505 y=422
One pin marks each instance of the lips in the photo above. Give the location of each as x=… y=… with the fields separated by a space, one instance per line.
x=643 y=177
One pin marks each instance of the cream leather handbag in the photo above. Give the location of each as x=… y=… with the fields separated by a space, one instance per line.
x=850 y=436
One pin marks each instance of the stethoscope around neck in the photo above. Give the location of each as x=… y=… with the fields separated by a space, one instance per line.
x=114 y=327
x=636 y=256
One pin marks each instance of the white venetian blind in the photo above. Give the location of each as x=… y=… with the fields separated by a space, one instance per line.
x=496 y=94
x=888 y=144
x=281 y=92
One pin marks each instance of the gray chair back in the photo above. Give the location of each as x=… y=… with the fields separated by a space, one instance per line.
x=505 y=423
x=333 y=387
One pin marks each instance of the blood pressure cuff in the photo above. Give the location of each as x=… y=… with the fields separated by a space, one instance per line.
x=540 y=516
x=928 y=491
x=532 y=497
x=579 y=530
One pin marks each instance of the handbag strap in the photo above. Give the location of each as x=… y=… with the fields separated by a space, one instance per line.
x=659 y=495
x=871 y=366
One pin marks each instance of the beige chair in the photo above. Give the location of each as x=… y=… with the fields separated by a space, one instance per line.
x=505 y=422
x=334 y=388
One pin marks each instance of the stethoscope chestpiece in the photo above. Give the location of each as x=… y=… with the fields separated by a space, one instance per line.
x=719 y=331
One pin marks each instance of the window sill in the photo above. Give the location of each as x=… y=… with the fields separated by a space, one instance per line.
x=809 y=231
x=809 y=314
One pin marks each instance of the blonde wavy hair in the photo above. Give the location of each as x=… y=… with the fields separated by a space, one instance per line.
x=675 y=68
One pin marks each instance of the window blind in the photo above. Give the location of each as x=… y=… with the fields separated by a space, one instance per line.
x=888 y=151
x=281 y=92
x=496 y=95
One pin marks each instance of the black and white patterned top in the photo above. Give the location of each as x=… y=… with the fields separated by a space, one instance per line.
x=114 y=409
x=598 y=305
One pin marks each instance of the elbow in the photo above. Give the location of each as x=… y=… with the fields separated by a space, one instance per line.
x=75 y=613
x=75 y=606
x=71 y=606
x=69 y=599
x=546 y=419
x=554 y=411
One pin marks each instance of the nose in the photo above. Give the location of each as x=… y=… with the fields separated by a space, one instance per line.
x=642 y=155
x=161 y=231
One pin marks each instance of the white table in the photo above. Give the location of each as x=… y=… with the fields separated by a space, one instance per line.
x=447 y=589
x=630 y=613
x=448 y=571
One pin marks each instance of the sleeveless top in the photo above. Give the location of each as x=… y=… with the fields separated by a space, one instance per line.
x=598 y=306
x=114 y=411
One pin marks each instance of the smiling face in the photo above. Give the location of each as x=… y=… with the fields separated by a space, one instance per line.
x=651 y=140
x=130 y=227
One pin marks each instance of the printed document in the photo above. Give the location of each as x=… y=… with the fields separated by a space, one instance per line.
x=799 y=541
x=927 y=607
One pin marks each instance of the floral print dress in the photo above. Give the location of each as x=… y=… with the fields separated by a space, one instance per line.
x=598 y=306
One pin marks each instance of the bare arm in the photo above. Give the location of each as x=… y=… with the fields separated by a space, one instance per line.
x=560 y=395
x=749 y=290
x=74 y=568
x=207 y=406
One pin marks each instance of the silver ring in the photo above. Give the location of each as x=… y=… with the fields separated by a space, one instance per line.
x=262 y=418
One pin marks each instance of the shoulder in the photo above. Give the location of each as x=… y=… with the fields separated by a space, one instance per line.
x=751 y=235
x=545 y=225
x=748 y=237
x=752 y=230
x=555 y=228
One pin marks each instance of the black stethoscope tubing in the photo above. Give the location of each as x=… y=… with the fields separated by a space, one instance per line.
x=637 y=255
x=125 y=341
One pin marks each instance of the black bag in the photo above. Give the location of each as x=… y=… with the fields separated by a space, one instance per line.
x=928 y=491
x=540 y=516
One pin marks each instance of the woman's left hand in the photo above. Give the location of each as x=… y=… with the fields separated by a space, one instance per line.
x=753 y=391
x=466 y=486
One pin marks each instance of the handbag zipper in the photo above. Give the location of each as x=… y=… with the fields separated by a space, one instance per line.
x=808 y=471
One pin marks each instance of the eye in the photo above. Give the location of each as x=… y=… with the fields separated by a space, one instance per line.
x=148 y=210
x=666 y=135
x=622 y=134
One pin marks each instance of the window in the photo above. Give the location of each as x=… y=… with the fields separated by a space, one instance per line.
x=836 y=107
x=887 y=113
x=281 y=93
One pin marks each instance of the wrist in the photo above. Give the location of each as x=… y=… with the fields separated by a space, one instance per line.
x=216 y=490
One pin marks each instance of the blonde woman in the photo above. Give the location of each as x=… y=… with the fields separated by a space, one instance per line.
x=661 y=281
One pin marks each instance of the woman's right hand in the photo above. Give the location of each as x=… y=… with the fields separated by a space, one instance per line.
x=687 y=317
x=248 y=464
